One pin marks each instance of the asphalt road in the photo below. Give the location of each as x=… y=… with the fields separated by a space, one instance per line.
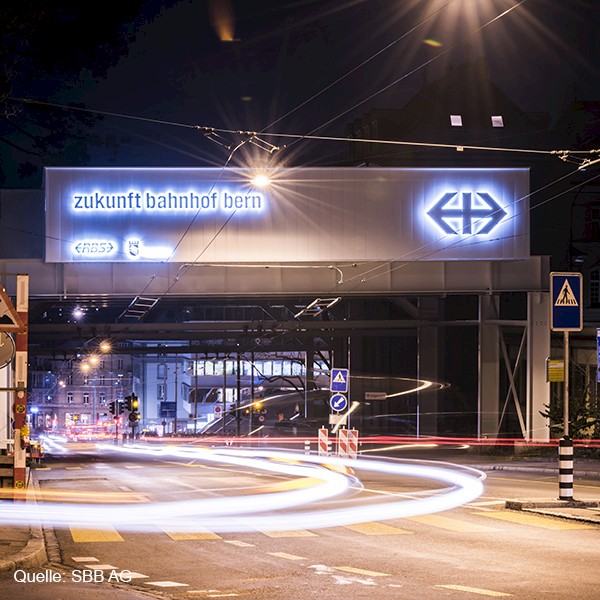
x=476 y=550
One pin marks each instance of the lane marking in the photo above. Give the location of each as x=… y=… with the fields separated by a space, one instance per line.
x=240 y=544
x=296 y=533
x=166 y=584
x=362 y=572
x=108 y=534
x=286 y=556
x=102 y=567
x=537 y=521
x=134 y=466
x=377 y=529
x=84 y=558
x=197 y=534
x=135 y=575
x=473 y=590
x=73 y=468
x=451 y=524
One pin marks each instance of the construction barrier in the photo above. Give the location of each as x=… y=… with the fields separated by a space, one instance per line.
x=324 y=445
x=348 y=443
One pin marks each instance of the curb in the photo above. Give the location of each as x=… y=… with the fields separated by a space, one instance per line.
x=562 y=509
x=34 y=553
x=534 y=469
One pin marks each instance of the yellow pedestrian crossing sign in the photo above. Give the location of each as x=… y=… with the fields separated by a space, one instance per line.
x=566 y=310
x=339 y=381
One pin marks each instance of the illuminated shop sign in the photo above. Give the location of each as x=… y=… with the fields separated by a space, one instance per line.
x=167 y=201
x=308 y=215
x=466 y=213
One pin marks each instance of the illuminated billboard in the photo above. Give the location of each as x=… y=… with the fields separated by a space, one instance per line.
x=303 y=215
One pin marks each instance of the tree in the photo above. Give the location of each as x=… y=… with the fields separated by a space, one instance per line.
x=584 y=407
x=49 y=50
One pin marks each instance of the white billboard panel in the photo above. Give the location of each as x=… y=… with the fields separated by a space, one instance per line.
x=304 y=215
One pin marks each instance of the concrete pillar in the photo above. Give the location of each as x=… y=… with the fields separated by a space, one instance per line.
x=538 y=350
x=488 y=405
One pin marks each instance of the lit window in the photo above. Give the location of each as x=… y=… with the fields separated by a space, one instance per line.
x=456 y=120
x=497 y=121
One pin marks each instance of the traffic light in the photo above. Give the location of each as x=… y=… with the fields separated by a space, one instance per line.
x=257 y=406
x=119 y=408
x=112 y=407
x=135 y=403
x=128 y=402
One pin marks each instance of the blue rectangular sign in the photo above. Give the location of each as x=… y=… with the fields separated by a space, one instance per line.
x=566 y=306
x=339 y=381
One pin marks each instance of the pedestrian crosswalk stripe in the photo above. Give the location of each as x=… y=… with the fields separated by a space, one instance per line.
x=107 y=534
x=451 y=524
x=376 y=529
x=544 y=522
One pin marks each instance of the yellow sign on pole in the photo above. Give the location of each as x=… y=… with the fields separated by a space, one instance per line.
x=555 y=370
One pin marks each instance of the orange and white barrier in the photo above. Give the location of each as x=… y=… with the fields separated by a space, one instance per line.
x=348 y=443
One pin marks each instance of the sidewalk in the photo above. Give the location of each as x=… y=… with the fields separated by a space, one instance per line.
x=23 y=547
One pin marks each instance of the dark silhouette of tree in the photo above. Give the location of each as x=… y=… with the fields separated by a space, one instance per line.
x=48 y=49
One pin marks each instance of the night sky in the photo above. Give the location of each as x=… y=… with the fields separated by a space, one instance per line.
x=295 y=66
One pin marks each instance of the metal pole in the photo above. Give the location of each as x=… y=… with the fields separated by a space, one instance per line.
x=565 y=448
x=196 y=394
x=238 y=393
x=566 y=385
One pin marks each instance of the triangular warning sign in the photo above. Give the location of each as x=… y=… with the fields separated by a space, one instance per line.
x=9 y=318
x=566 y=297
x=339 y=378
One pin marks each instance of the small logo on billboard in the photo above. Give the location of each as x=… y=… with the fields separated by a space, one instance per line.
x=134 y=247
x=466 y=213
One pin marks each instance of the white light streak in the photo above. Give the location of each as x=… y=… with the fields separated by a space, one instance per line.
x=265 y=511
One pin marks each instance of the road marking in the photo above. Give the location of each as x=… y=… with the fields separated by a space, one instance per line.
x=108 y=534
x=472 y=590
x=134 y=575
x=102 y=567
x=181 y=531
x=166 y=584
x=84 y=558
x=286 y=556
x=240 y=544
x=134 y=466
x=376 y=529
x=362 y=572
x=537 y=520
x=451 y=524
x=289 y=534
x=73 y=468
x=193 y=535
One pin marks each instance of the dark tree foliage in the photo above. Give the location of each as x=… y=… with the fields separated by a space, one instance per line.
x=584 y=409
x=47 y=49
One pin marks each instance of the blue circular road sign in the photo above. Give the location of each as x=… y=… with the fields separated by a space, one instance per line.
x=338 y=402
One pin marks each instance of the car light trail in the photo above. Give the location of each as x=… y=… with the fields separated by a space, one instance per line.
x=325 y=478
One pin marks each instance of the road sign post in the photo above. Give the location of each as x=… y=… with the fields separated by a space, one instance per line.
x=566 y=315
